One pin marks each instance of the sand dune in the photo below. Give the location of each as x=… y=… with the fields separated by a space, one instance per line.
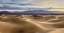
x=31 y=23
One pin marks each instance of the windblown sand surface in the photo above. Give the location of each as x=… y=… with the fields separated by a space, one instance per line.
x=32 y=24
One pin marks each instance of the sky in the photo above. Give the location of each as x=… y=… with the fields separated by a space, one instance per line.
x=35 y=3
x=40 y=3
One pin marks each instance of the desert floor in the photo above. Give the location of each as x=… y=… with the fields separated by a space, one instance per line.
x=32 y=24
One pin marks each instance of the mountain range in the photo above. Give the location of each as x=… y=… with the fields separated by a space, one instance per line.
x=31 y=12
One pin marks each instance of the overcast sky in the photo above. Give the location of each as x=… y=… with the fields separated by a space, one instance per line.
x=35 y=4
x=41 y=3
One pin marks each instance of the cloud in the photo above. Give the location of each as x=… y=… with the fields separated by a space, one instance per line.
x=18 y=2
x=18 y=7
x=4 y=7
x=1 y=5
x=5 y=1
x=51 y=3
x=40 y=3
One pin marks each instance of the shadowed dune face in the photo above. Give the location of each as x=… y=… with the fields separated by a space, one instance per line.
x=7 y=27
